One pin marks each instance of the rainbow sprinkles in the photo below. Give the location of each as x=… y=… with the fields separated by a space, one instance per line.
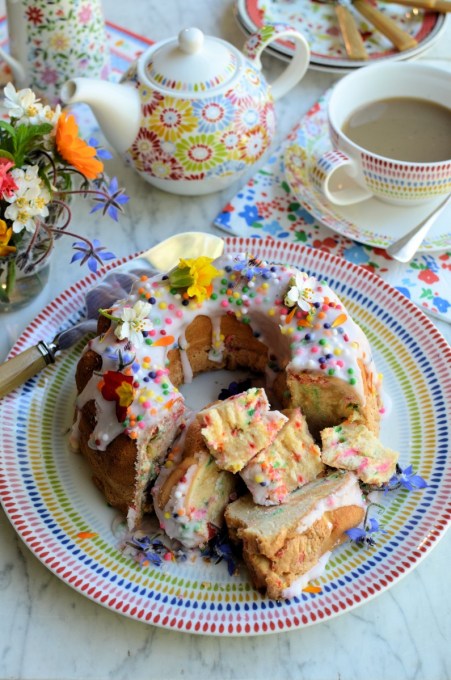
x=238 y=311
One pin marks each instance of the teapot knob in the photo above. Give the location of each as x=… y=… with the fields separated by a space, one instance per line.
x=191 y=40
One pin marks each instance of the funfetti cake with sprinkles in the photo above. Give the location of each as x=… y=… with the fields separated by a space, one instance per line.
x=234 y=312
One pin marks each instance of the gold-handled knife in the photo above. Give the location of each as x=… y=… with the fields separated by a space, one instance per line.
x=161 y=257
x=355 y=48
x=400 y=39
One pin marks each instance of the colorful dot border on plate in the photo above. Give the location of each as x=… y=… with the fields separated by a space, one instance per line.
x=34 y=493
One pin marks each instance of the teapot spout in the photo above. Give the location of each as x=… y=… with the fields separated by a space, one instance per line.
x=117 y=107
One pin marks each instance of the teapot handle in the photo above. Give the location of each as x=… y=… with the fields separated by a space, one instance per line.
x=254 y=46
x=18 y=71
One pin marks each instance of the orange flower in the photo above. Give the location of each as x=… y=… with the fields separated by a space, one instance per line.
x=74 y=150
x=5 y=235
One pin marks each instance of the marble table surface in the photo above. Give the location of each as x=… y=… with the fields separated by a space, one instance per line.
x=49 y=631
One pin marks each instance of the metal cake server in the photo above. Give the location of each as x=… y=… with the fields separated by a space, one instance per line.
x=405 y=247
x=115 y=286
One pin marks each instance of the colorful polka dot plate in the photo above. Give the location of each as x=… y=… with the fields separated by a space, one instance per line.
x=316 y=19
x=372 y=222
x=50 y=500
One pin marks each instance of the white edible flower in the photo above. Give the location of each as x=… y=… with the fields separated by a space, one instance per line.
x=300 y=291
x=22 y=104
x=133 y=321
x=49 y=115
x=29 y=200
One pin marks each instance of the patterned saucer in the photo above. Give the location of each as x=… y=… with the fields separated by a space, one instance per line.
x=317 y=21
x=49 y=498
x=371 y=222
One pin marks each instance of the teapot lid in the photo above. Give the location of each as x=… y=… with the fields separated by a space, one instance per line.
x=192 y=62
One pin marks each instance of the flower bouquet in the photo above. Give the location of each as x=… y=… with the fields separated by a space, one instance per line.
x=43 y=163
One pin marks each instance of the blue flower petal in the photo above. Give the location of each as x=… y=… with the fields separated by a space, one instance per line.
x=92 y=264
x=356 y=534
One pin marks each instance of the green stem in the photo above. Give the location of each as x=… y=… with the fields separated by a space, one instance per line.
x=111 y=317
x=10 y=277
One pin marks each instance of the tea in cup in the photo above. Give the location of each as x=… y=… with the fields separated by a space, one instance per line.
x=390 y=128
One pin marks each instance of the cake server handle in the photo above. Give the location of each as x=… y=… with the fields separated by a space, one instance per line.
x=20 y=368
x=162 y=257
x=25 y=365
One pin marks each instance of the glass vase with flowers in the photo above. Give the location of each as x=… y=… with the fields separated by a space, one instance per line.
x=43 y=163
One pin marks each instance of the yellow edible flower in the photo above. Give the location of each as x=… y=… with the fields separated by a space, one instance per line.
x=5 y=236
x=125 y=394
x=197 y=274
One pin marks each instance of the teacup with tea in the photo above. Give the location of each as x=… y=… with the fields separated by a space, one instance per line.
x=390 y=128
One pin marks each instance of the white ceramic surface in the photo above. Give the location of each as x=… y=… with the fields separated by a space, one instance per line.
x=373 y=222
x=350 y=173
x=48 y=495
x=193 y=113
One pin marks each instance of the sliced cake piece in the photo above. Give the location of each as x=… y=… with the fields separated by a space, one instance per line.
x=283 y=545
x=191 y=493
x=293 y=459
x=352 y=446
x=236 y=429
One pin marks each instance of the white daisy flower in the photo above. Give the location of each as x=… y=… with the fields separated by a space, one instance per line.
x=300 y=291
x=49 y=115
x=29 y=200
x=22 y=104
x=133 y=321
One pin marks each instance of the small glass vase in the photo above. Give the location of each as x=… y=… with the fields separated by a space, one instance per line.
x=25 y=274
x=24 y=288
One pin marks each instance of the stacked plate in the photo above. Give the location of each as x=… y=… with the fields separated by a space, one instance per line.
x=316 y=19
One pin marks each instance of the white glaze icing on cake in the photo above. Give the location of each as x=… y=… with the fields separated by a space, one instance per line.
x=316 y=335
x=296 y=588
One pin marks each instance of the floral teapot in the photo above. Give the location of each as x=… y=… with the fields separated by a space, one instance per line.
x=193 y=113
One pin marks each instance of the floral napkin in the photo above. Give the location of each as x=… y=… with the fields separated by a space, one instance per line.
x=266 y=208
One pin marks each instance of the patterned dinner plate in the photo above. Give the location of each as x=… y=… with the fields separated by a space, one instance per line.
x=49 y=498
x=316 y=19
x=372 y=221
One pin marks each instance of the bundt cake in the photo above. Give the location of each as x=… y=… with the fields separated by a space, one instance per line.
x=191 y=493
x=351 y=446
x=281 y=545
x=236 y=429
x=291 y=460
x=234 y=312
